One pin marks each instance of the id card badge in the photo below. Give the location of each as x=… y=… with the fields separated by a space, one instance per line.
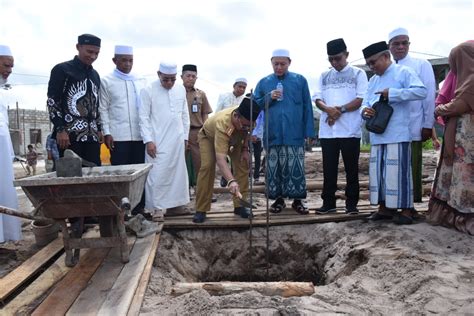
x=195 y=108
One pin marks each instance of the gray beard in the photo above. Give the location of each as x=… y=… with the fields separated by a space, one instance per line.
x=3 y=81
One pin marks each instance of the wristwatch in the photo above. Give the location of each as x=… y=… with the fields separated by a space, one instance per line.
x=343 y=109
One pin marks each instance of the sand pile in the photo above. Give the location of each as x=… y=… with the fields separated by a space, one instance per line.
x=360 y=268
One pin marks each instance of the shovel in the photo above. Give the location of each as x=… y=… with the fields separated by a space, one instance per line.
x=244 y=203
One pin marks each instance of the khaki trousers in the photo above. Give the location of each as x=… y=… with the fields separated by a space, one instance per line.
x=207 y=173
x=194 y=148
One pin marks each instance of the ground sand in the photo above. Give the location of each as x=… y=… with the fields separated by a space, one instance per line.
x=360 y=268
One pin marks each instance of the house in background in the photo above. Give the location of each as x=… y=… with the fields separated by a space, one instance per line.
x=28 y=127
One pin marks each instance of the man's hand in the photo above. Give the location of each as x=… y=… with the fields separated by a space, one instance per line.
x=101 y=137
x=151 y=149
x=368 y=112
x=109 y=142
x=384 y=92
x=245 y=156
x=426 y=134
x=234 y=189
x=254 y=139
x=62 y=139
x=330 y=121
x=275 y=94
x=333 y=112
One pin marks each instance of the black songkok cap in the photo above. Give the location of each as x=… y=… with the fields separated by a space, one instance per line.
x=244 y=108
x=88 y=39
x=189 y=67
x=375 y=48
x=336 y=46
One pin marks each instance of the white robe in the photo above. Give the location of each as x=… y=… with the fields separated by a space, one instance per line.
x=10 y=226
x=164 y=120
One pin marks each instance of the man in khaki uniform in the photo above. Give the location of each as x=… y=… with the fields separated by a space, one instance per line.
x=199 y=109
x=225 y=133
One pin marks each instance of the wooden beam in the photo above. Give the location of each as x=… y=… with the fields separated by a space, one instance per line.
x=65 y=292
x=120 y=296
x=29 y=268
x=284 y=289
x=137 y=301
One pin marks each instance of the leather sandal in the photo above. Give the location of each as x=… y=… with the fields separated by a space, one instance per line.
x=277 y=206
x=299 y=207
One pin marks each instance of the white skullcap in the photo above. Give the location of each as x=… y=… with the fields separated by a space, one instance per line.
x=5 y=51
x=123 y=50
x=240 y=80
x=281 y=53
x=168 y=68
x=397 y=32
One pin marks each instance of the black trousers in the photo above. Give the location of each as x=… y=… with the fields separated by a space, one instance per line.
x=350 y=150
x=127 y=153
x=257 y=156
x=89 y=151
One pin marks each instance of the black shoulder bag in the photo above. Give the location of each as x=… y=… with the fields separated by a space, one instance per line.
x=383 y=111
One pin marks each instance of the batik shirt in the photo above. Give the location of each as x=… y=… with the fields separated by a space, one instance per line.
x=73 y=100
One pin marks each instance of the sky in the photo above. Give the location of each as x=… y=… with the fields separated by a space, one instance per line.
x=225 y=39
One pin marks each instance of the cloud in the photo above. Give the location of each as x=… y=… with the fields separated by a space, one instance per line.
x=226 y=39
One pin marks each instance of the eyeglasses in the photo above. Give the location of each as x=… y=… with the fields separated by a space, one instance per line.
x=403 y=43
x=168 y=79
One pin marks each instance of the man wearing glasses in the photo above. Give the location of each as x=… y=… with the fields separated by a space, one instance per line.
x=339 y=95
x=421 y=111
x=225 y=133
x=164 y=126
x=390 y=179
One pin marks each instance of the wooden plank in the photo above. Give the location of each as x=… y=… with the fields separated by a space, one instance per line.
x=21 y=304
x=92 y=297
x=29 y=268
x=65 y=292
x=274 y=221
x=120 y=296
x=310 y=186
x=137 y=301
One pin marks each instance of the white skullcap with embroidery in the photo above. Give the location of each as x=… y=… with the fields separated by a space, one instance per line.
x=5 y=51
x=123 y=50
x=281 y=52
x=240 y=80
x=397 y=32
x=168 y=68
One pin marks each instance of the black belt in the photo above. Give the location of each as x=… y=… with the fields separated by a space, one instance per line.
x=194 y=127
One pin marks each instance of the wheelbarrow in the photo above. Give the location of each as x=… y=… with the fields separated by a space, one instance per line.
x=104 y=192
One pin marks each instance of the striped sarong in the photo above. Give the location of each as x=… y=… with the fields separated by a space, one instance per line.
x=285 y=172
x=390 y=178
x=416 y=169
